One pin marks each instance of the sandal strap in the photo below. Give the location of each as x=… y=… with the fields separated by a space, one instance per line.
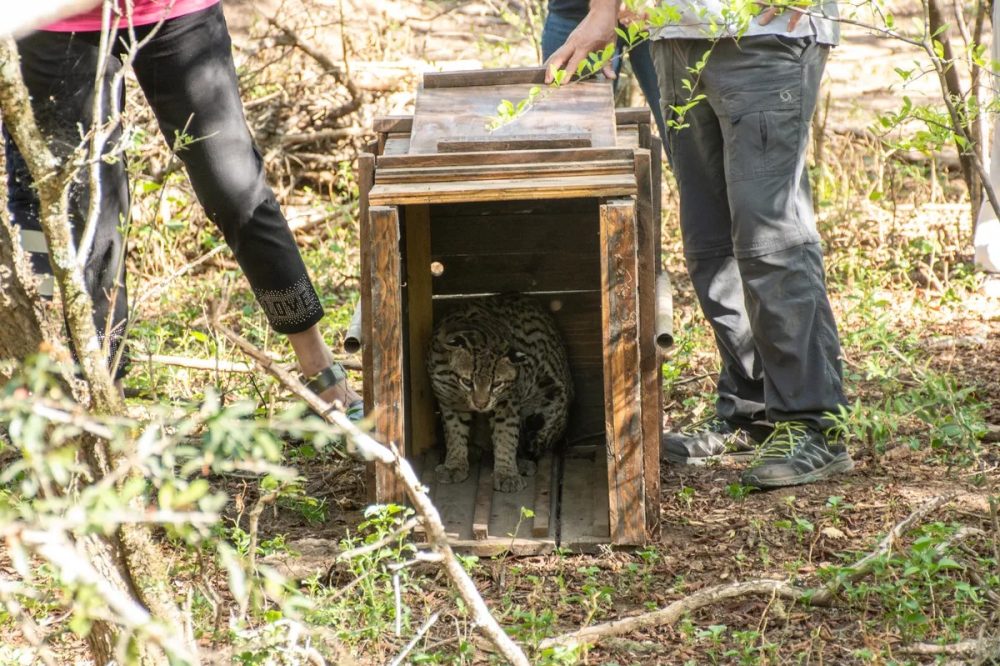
x=326 y=378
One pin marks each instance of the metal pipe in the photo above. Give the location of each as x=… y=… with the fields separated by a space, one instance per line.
x=352 y=341
x=664 y=312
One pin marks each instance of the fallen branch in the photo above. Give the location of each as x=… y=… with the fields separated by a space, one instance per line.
x=774 y=588
x=673 y=612
x=987 y=647
x=219 y=365
x=865 y=564
x=366 y=447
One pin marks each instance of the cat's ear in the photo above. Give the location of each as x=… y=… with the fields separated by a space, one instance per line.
x=516 y=357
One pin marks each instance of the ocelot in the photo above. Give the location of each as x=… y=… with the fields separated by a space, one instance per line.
x=501 y=356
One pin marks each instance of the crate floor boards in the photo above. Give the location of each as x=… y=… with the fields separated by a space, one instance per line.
x=564 y=508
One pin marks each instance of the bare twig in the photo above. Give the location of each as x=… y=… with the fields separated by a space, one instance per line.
x=365 y=446
x=865 y=564
x=339 y=74
x=986 y=647
x=674 y=611
x=424 y=628
x=252 y=526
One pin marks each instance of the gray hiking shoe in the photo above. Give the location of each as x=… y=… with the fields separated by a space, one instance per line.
x=795 y=454
x=711 y=439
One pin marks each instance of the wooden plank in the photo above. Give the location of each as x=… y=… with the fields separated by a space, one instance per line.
x=515 y=142
x=504 y=190
x=601 y=507
x=420 y=324
x=649 y=366
x=393 y=123
x=387 y=360
x=645 y=135
x=628 y=136
x=366 y=178
x=483 y=505
x=490 y=171
x=524 y=157
x=622 y=371
x=580 y=498
x=444 y=113
x=540 y=526
x=656 y=155
x=456 y=503
x=428 y=461
x=523 y=272
x=629 y=115
x=396 y=144
x=484 y=77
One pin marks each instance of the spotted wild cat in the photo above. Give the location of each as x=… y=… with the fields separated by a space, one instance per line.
x=501 y=356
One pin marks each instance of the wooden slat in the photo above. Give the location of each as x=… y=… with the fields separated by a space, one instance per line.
x=547 y=141
x=484 y=77
x=505 y=190
x=540 y=526
x=446 y=113
x=490 y=171
x=524 y=157
x=621 y=371
x=649 y=366
x=628 y=136
x=366 y=178
x=484 y=504
x=396 y=144
x=390 y=124
x=420 y=322
x=387 y=362
x=580 y=501
x=632 y=115
x=601 y=507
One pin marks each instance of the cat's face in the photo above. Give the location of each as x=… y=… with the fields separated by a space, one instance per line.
x=485 y=370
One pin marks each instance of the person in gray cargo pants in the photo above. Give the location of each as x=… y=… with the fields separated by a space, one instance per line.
x=750 y=241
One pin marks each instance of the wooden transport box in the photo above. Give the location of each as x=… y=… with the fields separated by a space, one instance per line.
x=562 y=204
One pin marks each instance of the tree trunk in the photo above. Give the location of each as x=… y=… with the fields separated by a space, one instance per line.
x=952 y=88
x=130 y=560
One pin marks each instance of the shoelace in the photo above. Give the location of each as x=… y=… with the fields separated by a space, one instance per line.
x=787 y=436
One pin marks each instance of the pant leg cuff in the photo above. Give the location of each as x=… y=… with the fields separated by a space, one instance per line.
x=293 y=309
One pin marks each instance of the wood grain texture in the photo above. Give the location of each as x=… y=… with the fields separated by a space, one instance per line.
x=489 y=170
x=540 y=141
x=366 y=178
x=387 y=360
x=540 y=523
x=445 y=113
x=649 y=366
x=622 y=378
x=523 y=157
x=582 y=500
x=632 y=115
x=419 y=326
x=393 y=123
x=484 y=77
x=484 y=504
x=571 y=187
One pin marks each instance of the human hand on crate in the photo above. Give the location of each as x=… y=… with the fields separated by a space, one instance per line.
x=594 y=33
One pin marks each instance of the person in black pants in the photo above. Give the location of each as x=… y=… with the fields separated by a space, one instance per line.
x=564 y=16
x=187 y=74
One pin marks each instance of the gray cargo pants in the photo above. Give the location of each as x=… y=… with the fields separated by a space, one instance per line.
x=747 y=222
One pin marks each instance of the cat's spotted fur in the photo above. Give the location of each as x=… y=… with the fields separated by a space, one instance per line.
x=501 y=356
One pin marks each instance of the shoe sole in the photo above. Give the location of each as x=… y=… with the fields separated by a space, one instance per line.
x=675 y=459
x=840 y=464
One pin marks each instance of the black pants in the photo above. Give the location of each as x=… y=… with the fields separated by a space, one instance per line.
x=747 y=221
x=187 y=75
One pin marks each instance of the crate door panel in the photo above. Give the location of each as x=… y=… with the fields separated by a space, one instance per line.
x=550 y=249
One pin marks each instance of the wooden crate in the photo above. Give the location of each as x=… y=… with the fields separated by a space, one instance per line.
x=568 y=212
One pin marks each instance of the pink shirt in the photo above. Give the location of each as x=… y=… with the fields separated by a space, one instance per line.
x=144 y=12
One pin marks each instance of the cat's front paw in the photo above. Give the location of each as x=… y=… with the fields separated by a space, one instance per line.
x=447 y=474
x=509 y=484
